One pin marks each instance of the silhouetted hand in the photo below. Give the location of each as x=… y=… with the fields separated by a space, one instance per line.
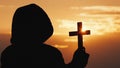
x=80 y=58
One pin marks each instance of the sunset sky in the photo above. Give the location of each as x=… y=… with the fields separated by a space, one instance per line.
x=102 y=17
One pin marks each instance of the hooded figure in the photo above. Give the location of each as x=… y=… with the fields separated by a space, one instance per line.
x=31 y=27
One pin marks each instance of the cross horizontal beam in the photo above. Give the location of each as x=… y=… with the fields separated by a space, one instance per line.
x=74 y=33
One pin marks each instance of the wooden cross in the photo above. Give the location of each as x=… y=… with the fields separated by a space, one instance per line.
x=80 y=34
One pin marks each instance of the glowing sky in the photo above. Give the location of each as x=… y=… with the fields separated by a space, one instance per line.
x=95 y=14
x=102 y=17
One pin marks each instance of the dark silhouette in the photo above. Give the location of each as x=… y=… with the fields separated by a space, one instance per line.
x=31 y=27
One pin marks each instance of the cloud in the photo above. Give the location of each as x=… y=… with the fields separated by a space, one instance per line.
x=105 y=13
x=64 y=23
x=98 y=8
x=99 y=19
x=103 y=8
x=117 y=23
x=71 y=40
x=60 y=46
x=98 y=26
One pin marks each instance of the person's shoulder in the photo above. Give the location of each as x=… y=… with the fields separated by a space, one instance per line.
x=9 y=48
x=50 y=49
x=49 y=46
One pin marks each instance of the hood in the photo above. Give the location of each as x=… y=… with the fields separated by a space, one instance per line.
x=30 y=24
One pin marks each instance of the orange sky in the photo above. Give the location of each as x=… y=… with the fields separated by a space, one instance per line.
x=102 y=17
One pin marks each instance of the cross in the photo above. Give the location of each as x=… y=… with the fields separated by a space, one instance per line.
x=80 y=34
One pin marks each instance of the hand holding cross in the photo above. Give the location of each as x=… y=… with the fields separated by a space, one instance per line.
x=80 y=34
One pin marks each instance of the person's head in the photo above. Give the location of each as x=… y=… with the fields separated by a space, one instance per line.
x=31 y=24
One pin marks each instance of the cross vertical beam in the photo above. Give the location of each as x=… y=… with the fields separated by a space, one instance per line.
x=80 y=37
x=79 y=34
